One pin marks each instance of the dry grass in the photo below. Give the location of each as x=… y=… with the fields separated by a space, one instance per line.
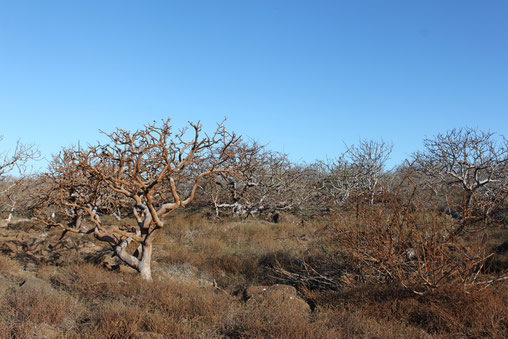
x=232 y=251
x=445 y=313
x=8 y=267
x=23 y=309
x=80 y=299
x=121 y=304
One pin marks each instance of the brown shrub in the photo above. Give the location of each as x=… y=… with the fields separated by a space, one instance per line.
x=449 y=312
x=171 y=308
x=237 y=254
x=265 y=318
x=8 y=267
x=114 y=320
x=35 y=303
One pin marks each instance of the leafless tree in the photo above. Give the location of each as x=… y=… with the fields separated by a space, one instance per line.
x=356 y=170
x=470 y=160
x=12 y=188
x=16 y=195
x=338 y=180
x=17 y=159
x=270 y=184
x=150 y=169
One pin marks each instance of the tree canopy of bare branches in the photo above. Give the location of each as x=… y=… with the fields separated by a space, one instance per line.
x=152 y=171
x=472 y=160
x=357 y=170
x=13 y=187
x=270 y=184
x=17 y=159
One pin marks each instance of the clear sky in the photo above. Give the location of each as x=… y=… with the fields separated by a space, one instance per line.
x=301 y=76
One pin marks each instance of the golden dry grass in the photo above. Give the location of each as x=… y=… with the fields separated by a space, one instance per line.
x=79 y=299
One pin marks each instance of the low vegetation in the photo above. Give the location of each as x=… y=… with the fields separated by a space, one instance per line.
x=267 y=248
x=200 y=271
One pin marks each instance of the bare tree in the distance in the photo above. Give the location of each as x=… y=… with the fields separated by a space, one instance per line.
x=12 y=188
x=358 y=171
x=473 y=161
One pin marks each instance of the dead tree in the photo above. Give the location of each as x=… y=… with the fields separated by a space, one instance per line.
x=16 y=195
x=357 y=170
x=270 y=184
x=469 y=160
x=12 y=188
x=150 y=169
x=17 y=159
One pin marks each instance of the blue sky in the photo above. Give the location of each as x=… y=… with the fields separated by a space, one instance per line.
x=301 y=76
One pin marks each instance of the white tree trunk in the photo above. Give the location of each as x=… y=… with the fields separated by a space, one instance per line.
x=9 y=218
x=144 y=267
